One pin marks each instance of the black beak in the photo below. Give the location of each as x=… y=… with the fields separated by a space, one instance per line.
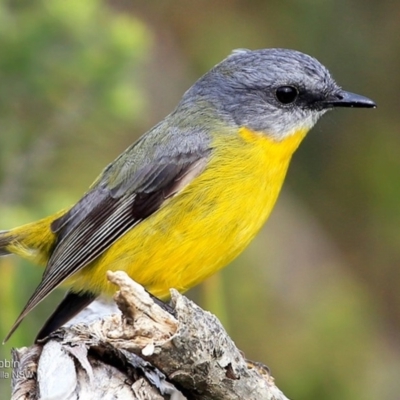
x=347 y=99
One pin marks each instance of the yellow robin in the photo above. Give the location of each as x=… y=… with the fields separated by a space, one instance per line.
x=192 y=192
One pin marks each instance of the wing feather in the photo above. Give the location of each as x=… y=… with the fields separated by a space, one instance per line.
x=103 y=215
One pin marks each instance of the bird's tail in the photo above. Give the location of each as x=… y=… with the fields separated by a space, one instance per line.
x=4 y=242
x=34 y=241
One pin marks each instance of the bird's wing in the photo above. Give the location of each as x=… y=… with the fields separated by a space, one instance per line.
x=107 y=217
x=119 y=201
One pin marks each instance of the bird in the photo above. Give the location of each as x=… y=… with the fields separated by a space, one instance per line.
x=190 y=194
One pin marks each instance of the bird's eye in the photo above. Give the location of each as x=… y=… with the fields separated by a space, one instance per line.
x=286 y=94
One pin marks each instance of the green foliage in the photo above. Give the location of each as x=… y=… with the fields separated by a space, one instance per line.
x=68 y=69
x=69 y=89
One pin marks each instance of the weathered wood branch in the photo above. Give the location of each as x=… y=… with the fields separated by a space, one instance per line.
x=145 y=353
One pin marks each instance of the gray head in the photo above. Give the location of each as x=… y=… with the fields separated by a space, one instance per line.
x=276 y=91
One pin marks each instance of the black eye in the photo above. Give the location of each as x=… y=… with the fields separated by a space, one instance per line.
x=286 y=94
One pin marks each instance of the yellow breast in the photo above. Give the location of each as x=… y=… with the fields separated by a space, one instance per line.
x=206 y=225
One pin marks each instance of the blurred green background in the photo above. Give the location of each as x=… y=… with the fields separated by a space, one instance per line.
x=315 y=297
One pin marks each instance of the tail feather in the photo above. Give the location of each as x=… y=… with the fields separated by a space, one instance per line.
x=71 y=305
x=5 y=240
x=33 y=241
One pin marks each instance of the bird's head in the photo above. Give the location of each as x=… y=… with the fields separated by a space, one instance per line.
x=276 y=91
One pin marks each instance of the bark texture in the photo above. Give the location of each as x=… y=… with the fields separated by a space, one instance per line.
x=150 y=351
